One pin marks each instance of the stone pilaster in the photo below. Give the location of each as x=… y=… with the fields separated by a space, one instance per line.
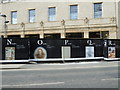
x=86 y=34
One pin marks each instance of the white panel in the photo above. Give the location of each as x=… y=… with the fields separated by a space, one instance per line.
x=89 y=51
x=66 y=52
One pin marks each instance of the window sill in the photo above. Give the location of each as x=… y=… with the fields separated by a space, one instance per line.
x=74 y=19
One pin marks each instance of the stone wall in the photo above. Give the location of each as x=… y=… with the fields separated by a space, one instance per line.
x=85 y=9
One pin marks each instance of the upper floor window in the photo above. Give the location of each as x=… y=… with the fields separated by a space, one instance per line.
x=52 y=14
x=14 y=17
x=6 y=1
x=32 y=15
x=97 y=10
x=73 y=11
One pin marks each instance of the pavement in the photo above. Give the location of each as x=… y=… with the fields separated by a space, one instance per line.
x=58 y=60
x=11 y=66
x=13 y=61
x=56 y=65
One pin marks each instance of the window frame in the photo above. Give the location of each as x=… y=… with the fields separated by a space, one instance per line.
x=70 y=11
x=12 y=21
x=29 y=18
x=101 y=10
x=54 y=15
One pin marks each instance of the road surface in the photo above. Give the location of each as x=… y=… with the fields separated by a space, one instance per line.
x=76 y=75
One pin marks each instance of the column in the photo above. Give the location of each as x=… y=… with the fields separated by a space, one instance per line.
x=86 y=34
x=23 y=30
x=41 y=35
x=112 y=35
x=63 y=35
x=22 y=36
x=5 y=36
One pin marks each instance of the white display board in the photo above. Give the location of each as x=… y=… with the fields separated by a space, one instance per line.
x=89 y=51
x=66 y=52
x=111 y=52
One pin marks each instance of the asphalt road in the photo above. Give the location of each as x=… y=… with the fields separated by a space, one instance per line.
x=90 y=75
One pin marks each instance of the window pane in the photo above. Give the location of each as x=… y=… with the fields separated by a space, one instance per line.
x=105 y=34
x=52 y=14
x=74 y=35
x=97 y=10
x=14 y=17
x=32 y=15
x=73 y=12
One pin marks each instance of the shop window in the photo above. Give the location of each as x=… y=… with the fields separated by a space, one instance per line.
x=94 y=34
x=52 y=36
x=105 y=34
x=14 y=36
x=74 y=35
x=32 y=36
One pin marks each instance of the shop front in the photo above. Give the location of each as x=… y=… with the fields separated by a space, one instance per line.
x=35 y=48
x=15 y=49
x=111 y=48
x=65 y=48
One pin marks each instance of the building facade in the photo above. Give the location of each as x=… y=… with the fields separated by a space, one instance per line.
x=74 y=20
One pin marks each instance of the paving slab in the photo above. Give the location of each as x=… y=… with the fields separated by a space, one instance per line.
x=11 y=66
x=13 y=61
